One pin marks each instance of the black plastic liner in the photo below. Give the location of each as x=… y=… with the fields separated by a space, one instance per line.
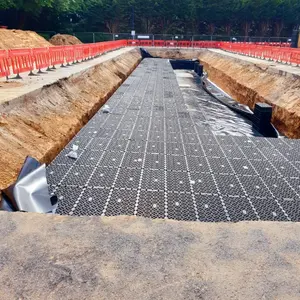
x=211 y=112
x=260 y=120
x=146 y=54
x=258 y=125
x=184 y=64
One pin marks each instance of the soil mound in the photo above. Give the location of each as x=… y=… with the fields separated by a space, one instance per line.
x=11 y=38
x=64 y=39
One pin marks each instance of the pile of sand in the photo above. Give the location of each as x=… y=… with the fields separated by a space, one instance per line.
x=21 y=39
x=64 y=39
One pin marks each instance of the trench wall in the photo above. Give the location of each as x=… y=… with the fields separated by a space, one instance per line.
x=251 y=83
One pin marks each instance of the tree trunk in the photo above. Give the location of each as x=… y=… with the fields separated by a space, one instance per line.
x=211 y=28
x=22 y=19
x=246 y=26
x=108 y=26
x=278 y=28
x=228 y=29
x=112 y=26
x=264 y=27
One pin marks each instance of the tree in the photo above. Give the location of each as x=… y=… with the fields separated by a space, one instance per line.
x=243 y=17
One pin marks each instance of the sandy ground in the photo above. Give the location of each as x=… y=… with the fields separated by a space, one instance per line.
x=251 y=80
x=21 y=39
x=53 y=257
x=64 y=39
x=47 y=114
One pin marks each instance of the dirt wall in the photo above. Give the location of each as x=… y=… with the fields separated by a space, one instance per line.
x=250 y=83
x=174 y=53
x=42 y=123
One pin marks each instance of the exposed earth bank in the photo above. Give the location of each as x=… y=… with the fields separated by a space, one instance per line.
x=43 y=122
x=251 y=83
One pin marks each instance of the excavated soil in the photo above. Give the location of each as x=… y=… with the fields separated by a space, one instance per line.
x=41 y=125
x=250 y=83
x=64 y=39
x=21 y=39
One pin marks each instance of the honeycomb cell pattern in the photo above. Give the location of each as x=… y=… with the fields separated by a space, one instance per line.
x=152 y=157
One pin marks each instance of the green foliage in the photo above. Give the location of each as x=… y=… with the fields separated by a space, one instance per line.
x=5 y=4
x=264 y=17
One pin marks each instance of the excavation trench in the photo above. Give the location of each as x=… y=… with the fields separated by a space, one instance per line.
x=41 y=123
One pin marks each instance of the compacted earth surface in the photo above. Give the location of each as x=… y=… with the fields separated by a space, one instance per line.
x=55 y=257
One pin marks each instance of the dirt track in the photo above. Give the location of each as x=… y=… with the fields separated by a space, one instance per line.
x=41 y=125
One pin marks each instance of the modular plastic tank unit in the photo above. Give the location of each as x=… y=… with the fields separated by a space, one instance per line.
x=155 y=155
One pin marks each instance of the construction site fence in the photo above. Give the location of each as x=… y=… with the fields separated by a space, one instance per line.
x=284 y=55
x=95 y=37
x=197 y=44
x=16 y=61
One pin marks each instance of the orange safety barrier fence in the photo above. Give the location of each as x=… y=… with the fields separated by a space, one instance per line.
x=148 y=43
x=133 y=43
x=171 y=44
x=277 y=54
x=68 y=54
x=78 y=53
x=87 y=51
x=184 y=44
x=159 y=43
x=21 y=61
x=56 y=56
x=295 y=57
x=16 y=61
x=4 y=64
x=41 y=58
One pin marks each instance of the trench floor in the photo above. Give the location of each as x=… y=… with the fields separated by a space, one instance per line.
x=151 y=157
